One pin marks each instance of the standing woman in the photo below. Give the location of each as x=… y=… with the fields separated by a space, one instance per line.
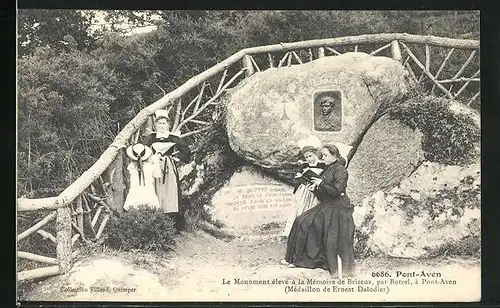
x=326 y=230
x=168 y=147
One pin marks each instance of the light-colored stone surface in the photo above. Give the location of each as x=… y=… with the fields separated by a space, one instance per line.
x=431 y=177
x=388 y=153
x=252 y=203
x=424 y=215
x=273 y=109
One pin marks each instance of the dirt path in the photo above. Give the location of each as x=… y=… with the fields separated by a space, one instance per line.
x=201 y=263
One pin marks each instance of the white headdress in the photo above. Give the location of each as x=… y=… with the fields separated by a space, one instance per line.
x=309 y=141
x=161 y=113
x=344 y=150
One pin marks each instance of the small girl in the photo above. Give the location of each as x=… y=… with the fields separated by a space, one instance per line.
x=141 y=170
x=304 y=195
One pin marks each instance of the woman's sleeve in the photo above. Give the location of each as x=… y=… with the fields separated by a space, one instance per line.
x=334 y=183
x=184 y=151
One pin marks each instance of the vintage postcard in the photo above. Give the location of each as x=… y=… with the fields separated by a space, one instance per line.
x=288 y=156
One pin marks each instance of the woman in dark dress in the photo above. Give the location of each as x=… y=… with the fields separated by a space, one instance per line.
x=168 y=147
x=326 y=230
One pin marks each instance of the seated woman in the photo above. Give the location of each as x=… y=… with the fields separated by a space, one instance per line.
x=326 y=230
x=168 y=147
x=305 y=198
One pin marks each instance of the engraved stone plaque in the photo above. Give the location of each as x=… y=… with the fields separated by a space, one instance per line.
x=250 y=202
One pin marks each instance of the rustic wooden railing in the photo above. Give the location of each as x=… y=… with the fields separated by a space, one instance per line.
x=92 y=198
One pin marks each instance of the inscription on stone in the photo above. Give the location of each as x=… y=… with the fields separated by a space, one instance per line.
x=252 y=203
x=327 y=110
x=256 y=197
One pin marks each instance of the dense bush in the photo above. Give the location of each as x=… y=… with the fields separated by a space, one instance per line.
x=448 y=138
x=63 y=114
x=145 y=228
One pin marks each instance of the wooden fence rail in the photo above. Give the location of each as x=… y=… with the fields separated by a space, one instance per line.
x=82 y=194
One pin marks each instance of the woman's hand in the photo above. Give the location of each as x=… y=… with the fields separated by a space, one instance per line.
x=311 y=187
x=316 y=181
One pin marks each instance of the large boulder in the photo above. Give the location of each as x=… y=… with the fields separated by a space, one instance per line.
x=434 y=210
x=252 y=203
x=389 y=152
x=272 y=110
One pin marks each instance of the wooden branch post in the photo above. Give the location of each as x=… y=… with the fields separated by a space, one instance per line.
x=103 y=224
x=96 y=216
x=37 y=226
x=38 y=273
x=441 y=68
x=422 y=67
x=254 y=63
x=270 y=58
x=321 y=52
x=35 y=257
x=395 y=51
x=248 y=65
x=47 y=236
x=88 y=219
x=79 y=212
x=427 y=58
x=282 y=61
x=63 y=227
x=474 y=98
x=115 y=191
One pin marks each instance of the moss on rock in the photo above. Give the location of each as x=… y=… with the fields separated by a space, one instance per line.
x=449 y=137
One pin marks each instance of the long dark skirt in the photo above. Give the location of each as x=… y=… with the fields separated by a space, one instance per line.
x=319 y=235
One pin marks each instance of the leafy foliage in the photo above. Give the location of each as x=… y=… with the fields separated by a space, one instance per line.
x=448 y=138
x=49 y=28
x=64 y=101
x=145 y=228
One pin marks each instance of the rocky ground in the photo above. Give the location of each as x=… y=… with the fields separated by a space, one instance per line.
x=201 y=264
